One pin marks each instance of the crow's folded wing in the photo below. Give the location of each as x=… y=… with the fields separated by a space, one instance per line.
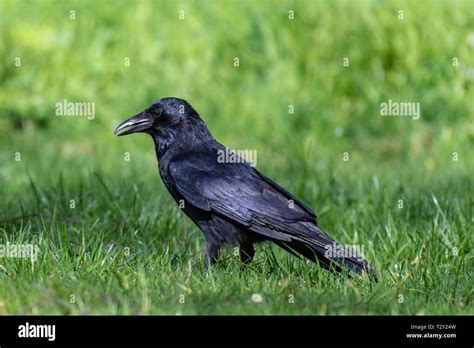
x=240 y=193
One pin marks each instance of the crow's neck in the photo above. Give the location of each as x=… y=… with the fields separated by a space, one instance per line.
x=163 y=141
x=191 y=137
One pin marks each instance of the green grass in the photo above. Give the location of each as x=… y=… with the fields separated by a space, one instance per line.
x=126 y=248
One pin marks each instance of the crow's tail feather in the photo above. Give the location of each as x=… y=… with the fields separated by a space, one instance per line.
x=329 y=254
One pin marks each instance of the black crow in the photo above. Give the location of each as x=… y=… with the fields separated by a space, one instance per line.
x=231 y=202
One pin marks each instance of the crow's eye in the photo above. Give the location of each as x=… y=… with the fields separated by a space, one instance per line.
x=155 y=113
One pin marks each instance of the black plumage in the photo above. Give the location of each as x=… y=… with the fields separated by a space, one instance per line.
x=230 y=202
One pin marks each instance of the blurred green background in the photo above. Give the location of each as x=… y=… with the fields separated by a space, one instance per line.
x=282 y=62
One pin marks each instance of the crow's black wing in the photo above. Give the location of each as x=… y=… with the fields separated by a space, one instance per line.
x=289 y=195
x=243 y=195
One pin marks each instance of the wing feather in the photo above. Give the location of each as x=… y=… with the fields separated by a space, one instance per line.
x=240 y=193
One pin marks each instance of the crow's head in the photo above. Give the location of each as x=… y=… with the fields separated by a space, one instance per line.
x=164 y=114
x=167 y=120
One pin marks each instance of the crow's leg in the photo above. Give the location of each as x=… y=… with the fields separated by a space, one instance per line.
x=247 y=253
x=212 y=254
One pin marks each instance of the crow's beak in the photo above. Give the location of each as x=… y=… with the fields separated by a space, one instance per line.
x=137 y=123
